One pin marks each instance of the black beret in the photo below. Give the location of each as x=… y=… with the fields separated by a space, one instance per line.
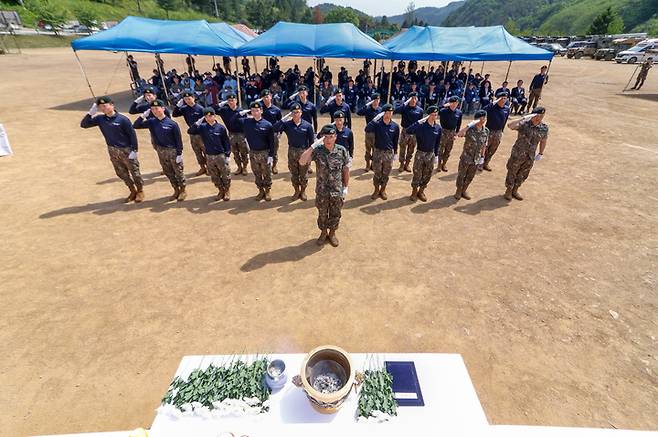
x=302 y=88
x=255 y=105
x=387 y=107
x=501 y=93
x=338 y=91
x=187 y=93
x=231 y=96
x=103 y=100
x=208 y=110
x=432 y=109
x=453 y=99
x=296 y=107
x=328 y=129
x=339 y=114
x=265 y=92
x=149 y=90
x=413 y=94
x=539 y=110
x=157 y=103
x=375 y=96
x=479 y=114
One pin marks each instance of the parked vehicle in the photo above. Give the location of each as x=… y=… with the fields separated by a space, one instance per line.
x=554 y=47
x=605 y=54
x=579 y=49
x=638 y=53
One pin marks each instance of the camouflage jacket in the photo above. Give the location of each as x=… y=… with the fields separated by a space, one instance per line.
x=474 y=141
x=330 y=165
x=529 y=137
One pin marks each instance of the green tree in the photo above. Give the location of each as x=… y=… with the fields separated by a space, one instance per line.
x=606 y=22
x=86 y=16
x=168 y=5
x=48 y=13
x=342 y=15
x=512 y=27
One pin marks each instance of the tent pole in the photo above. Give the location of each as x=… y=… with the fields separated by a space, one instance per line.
x=84 y=74
x=461 y=103
x=237 y=79
x=316 y=89
x=631 y=79
x=508 y=68
x=214 y=65
x=482 y=69
x=255 y=65
x=164 y=84
x=374 y=70
x=548 y=69
x=390 y=83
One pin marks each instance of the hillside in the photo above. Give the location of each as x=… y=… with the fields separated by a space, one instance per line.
x=325 y=8
x=566 y=17
x=431 y=15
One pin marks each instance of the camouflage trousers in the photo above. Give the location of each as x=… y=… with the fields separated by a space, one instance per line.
x=219 y=172
x=298 y=172
x=465 y=174
x=533 y=99
x=275 y=159
x=495 y=136
x=447 y=141
x=382 y=160
x=199 y=149
x=329 y=211
x=171 y=169
x=126 y=169
x=239 y=149
x=423 y=167
x=370 y=144
x=262 y=171
x=407 y=146
x=518 y=170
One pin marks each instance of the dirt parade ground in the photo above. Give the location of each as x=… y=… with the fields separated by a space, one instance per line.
x=552 y=301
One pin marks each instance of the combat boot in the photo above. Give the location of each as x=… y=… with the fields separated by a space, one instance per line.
x=508 y=194
x=302 y=193
x=443 y=166
x=139 y=198
x=239 y=170
x=382 y=192
x=375 y=194
x=274 y=169
x=421 y=195
x=486 y=166
x=333 y=240
x=406 y=166
x=133 y=194
x=465 y=195
x=515 y=194
x=201 y=171
x=368 y=166
x=414 y=194
x=175 y=195
x=322 y=238
x=295 y=195
x=244 y=170
x=401 y=168
x=267 y=195
x=182 y=195
x=227 y=195
x=458 y=194
x=220 y=194
x=261 y=194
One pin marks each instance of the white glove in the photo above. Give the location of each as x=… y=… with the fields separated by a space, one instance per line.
x=139 y=99
x=424 y=119
x=349 y=164
x=227 y=160
x=344 y=192
x=293 y=95
x=378 y=116
x=287 y=117
x=259 y=100
x=317 y=143
x=199 y=121
x=180 y=103
x=93 y=110
x=473 y=123
x=222 y=104
x=132 y=155
x=330 y=99
x=395 y=157
x=145 y=114
x=529 y=116
x=539 y=157
x=496 y=101
x=270 y=161
x=436 y=160
x=245 y=111
x=406 y=102
x=179 y=159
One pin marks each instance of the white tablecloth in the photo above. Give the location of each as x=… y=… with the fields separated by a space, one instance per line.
x=450 y=402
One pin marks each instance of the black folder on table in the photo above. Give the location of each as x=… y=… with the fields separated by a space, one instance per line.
x=406 y=388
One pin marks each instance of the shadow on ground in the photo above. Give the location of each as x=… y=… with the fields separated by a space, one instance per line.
x=283 y=255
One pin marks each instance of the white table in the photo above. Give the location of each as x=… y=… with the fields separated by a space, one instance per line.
x=451 y=402
x=546 y=431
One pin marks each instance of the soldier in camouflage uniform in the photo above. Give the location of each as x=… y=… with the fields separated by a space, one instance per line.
x=642 y=76
x=333 y=176
x=476 y=134
x=451 y=121
x=121 y=141
x=239 y=146
x=532 y=131
x=387 y=135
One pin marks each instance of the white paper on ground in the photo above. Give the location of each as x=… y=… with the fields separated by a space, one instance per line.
x=5 y=148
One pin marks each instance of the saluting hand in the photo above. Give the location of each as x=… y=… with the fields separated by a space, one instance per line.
x=180 y=103
x=93 y=110
x=145 y=114
x=199 y=121
x=245 y=112
x=139 y=99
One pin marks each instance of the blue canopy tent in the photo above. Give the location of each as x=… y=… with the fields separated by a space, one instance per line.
x=227 y=29
x=492 y=43
x=339 y=40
